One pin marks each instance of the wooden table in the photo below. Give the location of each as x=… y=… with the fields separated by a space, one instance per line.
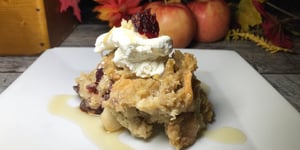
x=281 y=70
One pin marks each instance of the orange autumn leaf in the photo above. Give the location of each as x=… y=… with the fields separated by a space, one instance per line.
x=114 y=11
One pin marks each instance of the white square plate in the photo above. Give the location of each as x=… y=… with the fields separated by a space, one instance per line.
x=241 y=98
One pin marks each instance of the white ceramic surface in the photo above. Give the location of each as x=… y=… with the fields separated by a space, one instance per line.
x=241 y=97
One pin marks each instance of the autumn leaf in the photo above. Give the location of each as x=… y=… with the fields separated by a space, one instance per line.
x=65 y=4
x=272 y=28
x=114 y=11
x=261 y=1
x=247 y=15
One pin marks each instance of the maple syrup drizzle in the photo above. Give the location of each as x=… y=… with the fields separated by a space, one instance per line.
x=93 y=129
x=226 y=135
x=90 y=124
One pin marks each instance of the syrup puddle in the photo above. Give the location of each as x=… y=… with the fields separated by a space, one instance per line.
x=226 y=135
x=93 y=129
x=90 y=124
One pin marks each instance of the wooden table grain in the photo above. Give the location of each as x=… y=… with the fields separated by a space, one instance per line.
x=281 y=70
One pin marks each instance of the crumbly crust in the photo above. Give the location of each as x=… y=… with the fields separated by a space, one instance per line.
x=174 y=99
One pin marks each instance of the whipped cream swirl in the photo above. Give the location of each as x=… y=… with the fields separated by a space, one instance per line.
x=143 y=56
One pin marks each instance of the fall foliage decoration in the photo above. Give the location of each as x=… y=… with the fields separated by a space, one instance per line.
x=256 y=24
x=236 y=34
x=114 y=11
x=65 y=4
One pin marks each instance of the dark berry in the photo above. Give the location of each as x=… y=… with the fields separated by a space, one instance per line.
x=145 y=23
x=85 y=108
x=92 y=88
x=99 y=74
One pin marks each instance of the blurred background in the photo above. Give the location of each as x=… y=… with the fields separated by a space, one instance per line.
x=88 y=16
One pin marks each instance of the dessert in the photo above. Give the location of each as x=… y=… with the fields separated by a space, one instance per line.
x=142 y=82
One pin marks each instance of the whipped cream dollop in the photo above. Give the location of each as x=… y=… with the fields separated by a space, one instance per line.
x=143 y=56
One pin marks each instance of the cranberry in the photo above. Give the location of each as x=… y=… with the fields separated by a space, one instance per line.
x=85 y=108
x=92 y=88
x=145 y=23
x=99 y=74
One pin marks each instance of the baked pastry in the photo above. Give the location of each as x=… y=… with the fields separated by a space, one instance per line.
x=174 y=98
